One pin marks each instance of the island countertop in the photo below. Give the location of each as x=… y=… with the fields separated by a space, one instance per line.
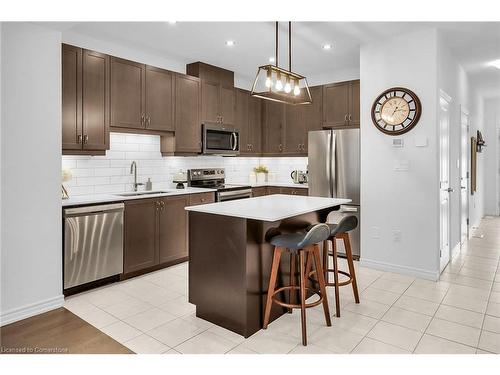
x=270 y=207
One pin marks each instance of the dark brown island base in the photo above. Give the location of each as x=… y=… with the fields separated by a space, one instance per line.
x=230 y=257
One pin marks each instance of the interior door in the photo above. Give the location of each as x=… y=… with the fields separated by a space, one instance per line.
x=444 y=182
x=464 y=176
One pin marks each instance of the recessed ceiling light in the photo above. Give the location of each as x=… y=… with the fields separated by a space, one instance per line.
x=272 y=59
x=172 y=22
x=327 y=47
x=230 y=43
x=495 y=63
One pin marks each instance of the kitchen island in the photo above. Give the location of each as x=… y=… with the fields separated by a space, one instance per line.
x=230 y=256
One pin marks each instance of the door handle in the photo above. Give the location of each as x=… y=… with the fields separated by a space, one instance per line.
x=79 y=139
x=350 y=117
x=85 y=139
x=280 y=147
x=142 y=120
x=148 y=121
x=345 y=118
x=450 y=190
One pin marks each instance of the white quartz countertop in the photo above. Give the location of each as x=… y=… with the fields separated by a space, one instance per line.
x=270 y=207
x=104 y=198
x=264 y=184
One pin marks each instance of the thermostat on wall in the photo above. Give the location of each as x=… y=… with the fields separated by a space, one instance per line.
x=397 y=142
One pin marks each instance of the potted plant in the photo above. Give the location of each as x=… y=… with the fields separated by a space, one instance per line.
x=261 y=172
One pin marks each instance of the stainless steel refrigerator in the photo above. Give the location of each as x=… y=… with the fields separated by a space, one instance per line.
x=334 y=171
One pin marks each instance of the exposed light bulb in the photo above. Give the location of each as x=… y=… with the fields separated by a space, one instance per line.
x=296 y=90
x=269 y=83
x=279 y=85
x=230 y=43
x=272 y=59
x=288 y=87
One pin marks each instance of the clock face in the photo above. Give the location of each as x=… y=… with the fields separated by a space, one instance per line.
x=396 y=111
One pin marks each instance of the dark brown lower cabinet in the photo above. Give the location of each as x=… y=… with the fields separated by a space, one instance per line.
x=173 y=228
x=140 y=235
x=269 y=190
x=156 y=232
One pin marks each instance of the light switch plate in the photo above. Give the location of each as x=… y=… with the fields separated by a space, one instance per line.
x=397 y=142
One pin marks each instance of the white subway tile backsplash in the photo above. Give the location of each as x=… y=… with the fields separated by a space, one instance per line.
x=111 y=173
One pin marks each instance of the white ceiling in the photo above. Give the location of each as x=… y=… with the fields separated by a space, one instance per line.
x=473 y=43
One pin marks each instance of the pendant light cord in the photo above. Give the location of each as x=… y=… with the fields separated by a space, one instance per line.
x=290 y=46
x=276 y=44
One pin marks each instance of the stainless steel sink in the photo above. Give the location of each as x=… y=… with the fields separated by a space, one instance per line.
x=137 y=193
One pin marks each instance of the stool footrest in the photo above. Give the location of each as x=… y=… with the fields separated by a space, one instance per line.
x=296 y=306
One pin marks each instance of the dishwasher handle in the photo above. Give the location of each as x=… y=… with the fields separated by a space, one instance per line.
x=84 y=210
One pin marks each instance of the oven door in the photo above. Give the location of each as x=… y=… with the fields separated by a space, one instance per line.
x=218 y=140
x=232 y=195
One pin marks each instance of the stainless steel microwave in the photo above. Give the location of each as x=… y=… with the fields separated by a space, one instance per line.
x=220 y=140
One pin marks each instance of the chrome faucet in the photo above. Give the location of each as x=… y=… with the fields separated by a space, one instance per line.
x=133 y=170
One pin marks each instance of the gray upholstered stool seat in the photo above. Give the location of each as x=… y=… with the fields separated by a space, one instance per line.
x=345 y=225
x=303 y=246
x=296 y=241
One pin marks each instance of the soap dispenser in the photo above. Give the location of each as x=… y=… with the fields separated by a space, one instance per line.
x=149 y=184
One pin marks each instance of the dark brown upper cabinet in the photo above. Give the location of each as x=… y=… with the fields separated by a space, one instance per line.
x=218 y=97
x=211 y=73
x=85 y=101
x=313 y=113
x=142 y=97
x=248 y=122
x=187 y=114
x=341 y=104
x=255 y=124
x=159 y=99
x=218 y=103
x=272 y=127
x=295 y=129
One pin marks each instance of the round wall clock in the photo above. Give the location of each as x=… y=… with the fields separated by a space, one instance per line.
x=396 y=111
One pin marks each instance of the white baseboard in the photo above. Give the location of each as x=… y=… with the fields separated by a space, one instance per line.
x=26 y=311
x=410 y=271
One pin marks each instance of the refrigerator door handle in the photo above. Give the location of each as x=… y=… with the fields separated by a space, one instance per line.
x=333 y=157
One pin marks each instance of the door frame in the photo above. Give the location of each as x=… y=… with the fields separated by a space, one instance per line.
x=444 y=104
x=464 y=111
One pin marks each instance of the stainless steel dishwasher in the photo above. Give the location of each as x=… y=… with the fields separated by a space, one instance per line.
x=93 y=243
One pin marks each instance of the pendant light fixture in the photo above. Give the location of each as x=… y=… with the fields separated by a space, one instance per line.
x=281 y=85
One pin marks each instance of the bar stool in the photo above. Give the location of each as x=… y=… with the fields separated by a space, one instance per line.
x=299 y=245
x=341 y=231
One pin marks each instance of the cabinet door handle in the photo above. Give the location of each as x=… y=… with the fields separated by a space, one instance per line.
x=148 y=121
x=345 y=118
x=142 y=120
x=79 y=139
x=251 y=147
x=350 y=117
x=85 y=139
x=280 y=147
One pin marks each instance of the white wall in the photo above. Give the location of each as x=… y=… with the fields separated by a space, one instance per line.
x=31 y=258
x=111 y=173
x=405 y=201
x=491 y=156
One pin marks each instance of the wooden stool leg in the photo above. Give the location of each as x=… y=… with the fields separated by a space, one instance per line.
x=322 y=286
x=291 y=292
x=350 y=263
x=303 y=297
x=272 y=284
x=325 y=260
x=309 y=264
x=336 y=277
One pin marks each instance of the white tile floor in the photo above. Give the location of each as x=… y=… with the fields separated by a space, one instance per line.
x=397 y=313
